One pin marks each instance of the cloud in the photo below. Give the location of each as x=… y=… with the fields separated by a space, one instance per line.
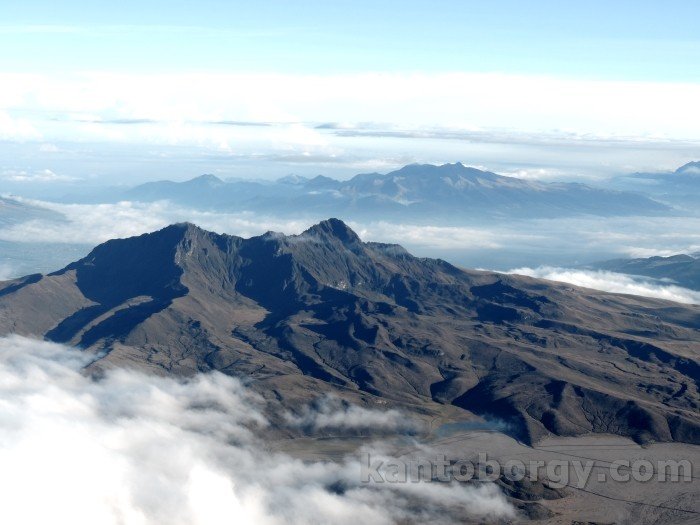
x=332 y=413
x=434 y=237
x=17 y=129
x=500 y=245
x=129 y=448
x=7 y=272
x=614 y=282
x=45 y=175
x=120 y=121
x=335 y=123
x=47 y=147
x=242 y=123
x=691 y=170
x=636 y=252
x=97 y=223
x=354 y=126
x=458 y=101
x=532 y=173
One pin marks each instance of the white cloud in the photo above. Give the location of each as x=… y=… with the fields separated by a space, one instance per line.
x=636 y=252
x=332 y=413
x=17 y=129
x=614 y=282
x=546 y=174
x=6 y=272
x=501 y=244
x=608 y=110
x=97 y=223
x=45 y=175
x=47 y=147
x=434 y=237
x=144 y=450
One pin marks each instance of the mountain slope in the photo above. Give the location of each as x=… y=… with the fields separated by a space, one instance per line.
x=325 y=312
x=452 y=191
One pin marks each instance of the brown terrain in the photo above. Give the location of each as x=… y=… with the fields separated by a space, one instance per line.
x=301 y=317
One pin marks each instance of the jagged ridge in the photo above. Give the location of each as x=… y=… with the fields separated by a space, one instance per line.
x=324 y=311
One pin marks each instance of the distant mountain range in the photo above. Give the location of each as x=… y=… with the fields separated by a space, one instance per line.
x=681 y=269
x=680 y=187
x=447 y=193
x=323 y=312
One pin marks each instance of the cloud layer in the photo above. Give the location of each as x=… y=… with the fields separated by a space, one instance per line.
x=128 y=449
x=497 y=245
x=45 y=175
x=96 y=223
x=167 y=103
x=614 y=282
x=633 y=236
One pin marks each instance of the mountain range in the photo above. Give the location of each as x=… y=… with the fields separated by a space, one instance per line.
x=449 y=193
x=325 y=313
x=680 y=187
x=681 y=269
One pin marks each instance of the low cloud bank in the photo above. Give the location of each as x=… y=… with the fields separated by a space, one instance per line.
x=505 y=244
x=97 y=223
x=128 y=448
x=635 y=236
x=614 y=282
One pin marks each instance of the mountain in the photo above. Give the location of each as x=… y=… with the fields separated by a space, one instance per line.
x=323 y=312
x=691 y=169
x=13 y=211
x=679 y=188
x=197 y=188
x=451 y=192
x=681 y=269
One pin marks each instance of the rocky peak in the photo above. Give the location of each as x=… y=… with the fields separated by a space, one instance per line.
x=333 y=229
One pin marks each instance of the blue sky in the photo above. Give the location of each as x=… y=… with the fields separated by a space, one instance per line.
x=623 y=40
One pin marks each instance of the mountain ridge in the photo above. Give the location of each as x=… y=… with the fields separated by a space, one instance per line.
x=680 y=269
x=323 y=312
x=679 y=188
x=450 y=191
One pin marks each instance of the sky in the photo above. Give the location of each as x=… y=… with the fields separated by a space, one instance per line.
x=132 y=91
x=623 y=40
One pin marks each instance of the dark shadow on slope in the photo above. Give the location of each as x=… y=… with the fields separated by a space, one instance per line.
x=25 y=281
x=72 y=325
x=118 y=271
x=123 y=321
